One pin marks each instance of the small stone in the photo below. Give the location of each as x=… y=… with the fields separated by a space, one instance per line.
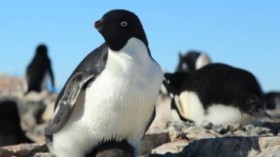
x=235 y=126
x=44 y=155
x=206 y=125
x=171 y=147
x=260 y=131
x=240 y=133
x=174 y=134
x=222 y=129
x=249 y=128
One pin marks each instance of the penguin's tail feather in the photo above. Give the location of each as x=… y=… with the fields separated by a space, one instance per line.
x=257 y=110
x=263 y=116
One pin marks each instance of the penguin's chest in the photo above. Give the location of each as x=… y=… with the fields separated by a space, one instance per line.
x=120 y=101
x=119 y=104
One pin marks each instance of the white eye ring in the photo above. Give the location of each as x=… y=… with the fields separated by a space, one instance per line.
x=124 y=23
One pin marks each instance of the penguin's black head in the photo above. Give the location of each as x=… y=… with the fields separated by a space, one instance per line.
x=42 y=50
x=173 y=82
x=118 y=26
x=187 y=62
x=192 y=61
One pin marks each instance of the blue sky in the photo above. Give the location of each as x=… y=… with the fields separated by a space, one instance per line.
x=244 y=34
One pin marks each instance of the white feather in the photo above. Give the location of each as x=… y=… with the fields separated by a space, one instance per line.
x=202 y=60
x=190 y=107
x=117 y=105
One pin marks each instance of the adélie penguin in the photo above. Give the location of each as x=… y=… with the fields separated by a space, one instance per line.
x=217 y=93
x=108 y=101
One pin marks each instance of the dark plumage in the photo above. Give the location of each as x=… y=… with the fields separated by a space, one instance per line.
x=112 y=149
x=219 y=84
x=192 y=61
x=272 y=100
x=39 y=68
x=273 y=103
x=10 y=132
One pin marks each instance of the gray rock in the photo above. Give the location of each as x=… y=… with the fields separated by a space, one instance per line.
x=164 y=138
x=22 y=150
x=152 y=141
x=171 y=147
x=221 y=129
x=234 y=147
x=44 y=155
x=206 y=125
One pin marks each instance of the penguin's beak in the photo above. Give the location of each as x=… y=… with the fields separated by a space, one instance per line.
x=98 y=25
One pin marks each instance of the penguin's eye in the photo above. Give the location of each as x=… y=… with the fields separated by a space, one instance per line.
x=124 y=23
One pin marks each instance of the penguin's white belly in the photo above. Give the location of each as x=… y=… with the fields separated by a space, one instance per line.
x=117 y=105
x=191 y=107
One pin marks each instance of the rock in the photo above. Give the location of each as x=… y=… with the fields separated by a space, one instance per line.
x=165 y=137
x=206 y=125
x=44 y=155
x=234 y=147
x=235 y=126
x=152 y=141
x=36 y=104
x=195 y=133
x=10 y=85
x=22 y=150
x=221 y=129
x=171 y=147
x=31 y=112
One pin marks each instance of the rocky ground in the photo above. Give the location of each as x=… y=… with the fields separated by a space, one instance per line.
x=165 y=138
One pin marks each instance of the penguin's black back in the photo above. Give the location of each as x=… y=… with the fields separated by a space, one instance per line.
x=223 y=84
x=176 y=82
x=219 y=84
x=189 y=59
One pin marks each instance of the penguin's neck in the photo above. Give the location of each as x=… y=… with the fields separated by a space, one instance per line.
x=134 y=49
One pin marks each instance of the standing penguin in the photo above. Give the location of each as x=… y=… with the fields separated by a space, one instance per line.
x=39 y=70
x=191 y=61
x=109 y=98
x=217 y=93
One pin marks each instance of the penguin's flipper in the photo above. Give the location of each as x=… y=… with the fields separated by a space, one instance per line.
x=66 y=104
x=176 y=104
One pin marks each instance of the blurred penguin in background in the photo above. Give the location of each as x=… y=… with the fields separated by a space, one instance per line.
x=188 y=63
x=217 y=93
x=192 y=61
x=273 y=103
x=39 y=70
x=11 y=132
